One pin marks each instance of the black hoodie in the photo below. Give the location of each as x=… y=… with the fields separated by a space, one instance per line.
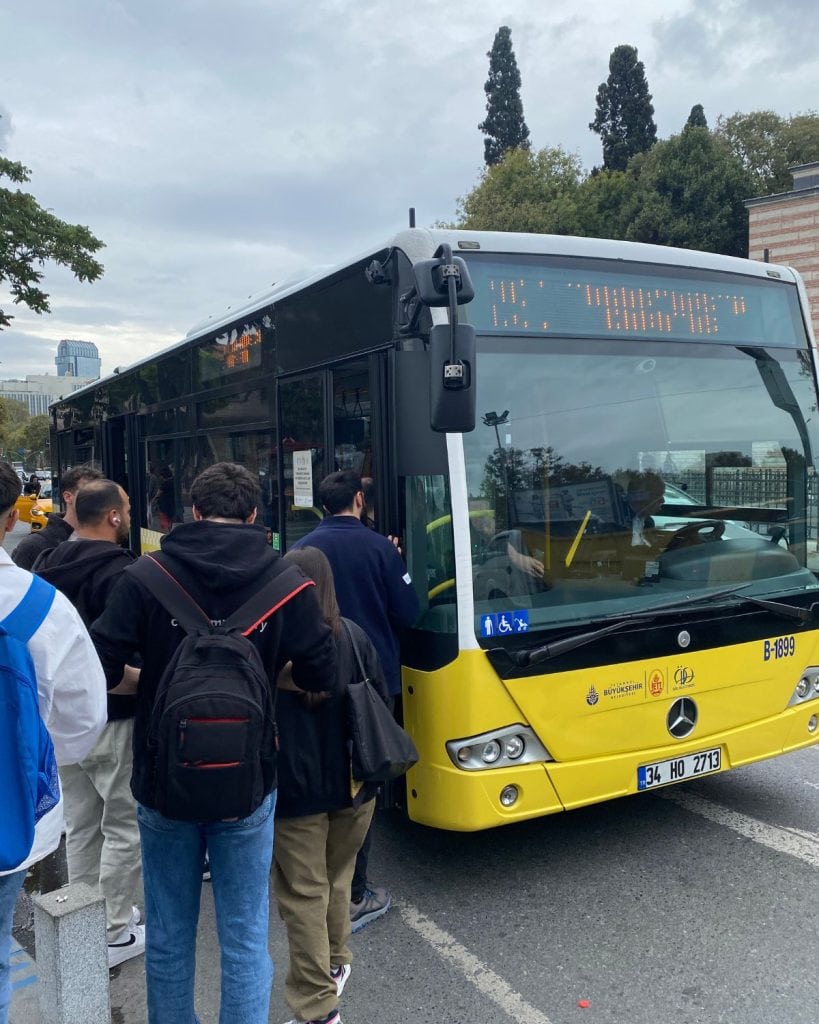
x=55 y=531
x=221 y=565
x=86 y=571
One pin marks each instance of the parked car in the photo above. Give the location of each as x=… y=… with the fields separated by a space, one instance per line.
x=34 y=509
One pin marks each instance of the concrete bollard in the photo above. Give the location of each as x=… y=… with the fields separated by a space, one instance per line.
x=72 y=956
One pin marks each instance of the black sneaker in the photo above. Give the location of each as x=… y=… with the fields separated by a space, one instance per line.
x=373 y=904
x=331 y=1018
x=206 y=869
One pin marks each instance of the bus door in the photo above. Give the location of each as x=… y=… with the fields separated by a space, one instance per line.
x=329 y=421
x=120 y=462
x=302 y=447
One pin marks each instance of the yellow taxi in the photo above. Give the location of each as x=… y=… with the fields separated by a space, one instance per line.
x=34 y=509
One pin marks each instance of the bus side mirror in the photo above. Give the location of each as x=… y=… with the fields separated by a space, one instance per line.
x=432 y=280
x=452 y=378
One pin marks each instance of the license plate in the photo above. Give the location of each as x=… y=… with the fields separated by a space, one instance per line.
x=677 y=769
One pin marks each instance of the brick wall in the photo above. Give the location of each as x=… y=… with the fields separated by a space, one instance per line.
x=789 y=228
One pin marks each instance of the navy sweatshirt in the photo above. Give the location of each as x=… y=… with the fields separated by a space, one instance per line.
x=373 y=586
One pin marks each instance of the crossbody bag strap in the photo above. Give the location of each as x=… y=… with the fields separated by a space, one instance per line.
x=361 y=670
x=275 y=593
x=170 y=593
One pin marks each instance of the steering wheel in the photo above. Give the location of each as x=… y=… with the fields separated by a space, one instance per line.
x=703 y=532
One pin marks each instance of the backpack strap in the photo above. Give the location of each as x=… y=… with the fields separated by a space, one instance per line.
x=175 y=599
x=24 y=621
x=275 y=593
x=170 y=593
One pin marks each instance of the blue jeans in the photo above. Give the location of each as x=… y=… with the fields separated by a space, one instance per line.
x=240 y=854
x=10 y=886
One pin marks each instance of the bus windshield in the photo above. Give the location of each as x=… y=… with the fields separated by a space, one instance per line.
x=605 y=476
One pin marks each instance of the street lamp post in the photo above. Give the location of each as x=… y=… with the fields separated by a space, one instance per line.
x=493 y=419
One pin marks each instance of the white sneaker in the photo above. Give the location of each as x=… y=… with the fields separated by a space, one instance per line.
x=340 y=976
x=135 y=918
x=130 y=943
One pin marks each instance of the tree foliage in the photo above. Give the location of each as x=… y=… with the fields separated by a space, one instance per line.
x=697 y=119
x=624 y=118
x=689 y=191
x=30 y=237
x=504 y=125
x=525 y=192
x=767 y=145
x=22 y=433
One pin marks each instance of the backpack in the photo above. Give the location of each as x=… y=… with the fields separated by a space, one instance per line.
x=28 y=768
x=211 y=734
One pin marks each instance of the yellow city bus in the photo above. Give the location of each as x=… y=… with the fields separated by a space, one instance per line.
x=599 y=458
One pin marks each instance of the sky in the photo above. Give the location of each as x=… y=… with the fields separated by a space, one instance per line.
x=217 y=147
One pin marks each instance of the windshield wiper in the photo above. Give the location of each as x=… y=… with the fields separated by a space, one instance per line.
x=787 y=611
x=534 y=655
x=569 y=643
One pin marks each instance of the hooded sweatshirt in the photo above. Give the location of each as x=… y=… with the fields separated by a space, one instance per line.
x=55 y=531
x=86 y=571
x=221 y=565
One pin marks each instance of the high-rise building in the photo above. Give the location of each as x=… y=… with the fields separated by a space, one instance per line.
x=77 y=359
x=38 y=391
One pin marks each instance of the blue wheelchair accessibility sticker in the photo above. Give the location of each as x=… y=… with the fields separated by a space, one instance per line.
x=505 y=623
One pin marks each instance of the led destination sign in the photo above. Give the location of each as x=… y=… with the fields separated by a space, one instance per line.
x=584 y=302
x=232 y=351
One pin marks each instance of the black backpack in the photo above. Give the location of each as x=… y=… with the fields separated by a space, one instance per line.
x=212 y=735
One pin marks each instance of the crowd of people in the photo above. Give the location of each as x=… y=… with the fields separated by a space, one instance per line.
x=192 y=707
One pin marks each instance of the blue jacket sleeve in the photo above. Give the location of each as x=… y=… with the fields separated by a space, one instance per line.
x=402 y=601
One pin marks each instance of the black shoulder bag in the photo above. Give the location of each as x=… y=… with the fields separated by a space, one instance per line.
x=381 y=750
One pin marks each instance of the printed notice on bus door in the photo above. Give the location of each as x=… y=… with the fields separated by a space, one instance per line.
x=303 y=479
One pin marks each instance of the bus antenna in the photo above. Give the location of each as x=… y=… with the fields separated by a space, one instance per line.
x=412 y=216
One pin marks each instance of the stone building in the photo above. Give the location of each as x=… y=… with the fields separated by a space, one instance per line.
x=784 y=228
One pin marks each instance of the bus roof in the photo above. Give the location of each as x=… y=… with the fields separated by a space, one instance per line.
x=421 y=243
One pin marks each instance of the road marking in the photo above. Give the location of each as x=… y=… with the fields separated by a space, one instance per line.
x=482 y=977
x=19 y=961
x=794 y=842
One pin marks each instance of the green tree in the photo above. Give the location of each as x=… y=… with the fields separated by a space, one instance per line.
x=767 y=145
x=30 y=237
x=624 y=118
x=525 y=192
x=697 y=119
x=504 y=125
x=689 y=192
x=33 y=438
x=12 y=416
x=603 y=203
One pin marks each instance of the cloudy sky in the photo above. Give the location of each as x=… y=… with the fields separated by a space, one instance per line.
x=217 y=146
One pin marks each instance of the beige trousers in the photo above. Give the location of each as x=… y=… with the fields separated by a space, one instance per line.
x=102 y=839
x=313 y=862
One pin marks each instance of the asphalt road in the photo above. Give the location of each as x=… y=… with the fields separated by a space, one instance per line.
x=12 y=539
x=691 y=905
x=694 y=905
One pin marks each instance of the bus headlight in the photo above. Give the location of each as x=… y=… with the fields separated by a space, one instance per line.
x=491 y=752
x=514 y=747
x=807 y=686
x=500 y=748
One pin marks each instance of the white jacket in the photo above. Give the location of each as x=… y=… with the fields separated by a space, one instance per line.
x=70 y=685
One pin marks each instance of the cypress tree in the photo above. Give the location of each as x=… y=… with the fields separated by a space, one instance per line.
x=504 y=125
x=624 y=118
x=696 y=119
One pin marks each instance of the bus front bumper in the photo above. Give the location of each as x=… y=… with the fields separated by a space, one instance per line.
x=443 y=796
